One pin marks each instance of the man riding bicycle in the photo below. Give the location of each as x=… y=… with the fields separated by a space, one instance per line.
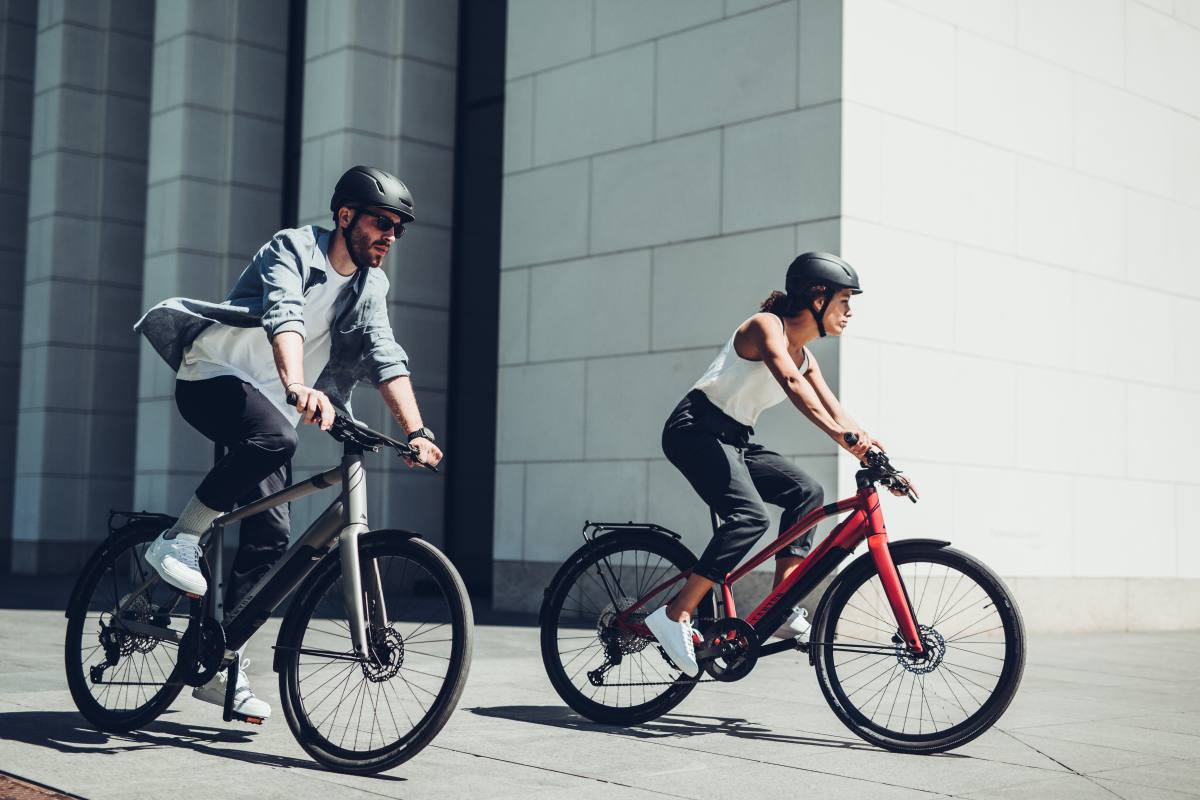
x=311 y=303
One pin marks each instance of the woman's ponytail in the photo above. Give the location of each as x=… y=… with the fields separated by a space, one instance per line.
x=780 y=304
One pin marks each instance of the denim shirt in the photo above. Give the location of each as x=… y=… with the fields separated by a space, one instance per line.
x=270 y=293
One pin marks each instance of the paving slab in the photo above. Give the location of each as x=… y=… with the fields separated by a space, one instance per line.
x=1111 y=716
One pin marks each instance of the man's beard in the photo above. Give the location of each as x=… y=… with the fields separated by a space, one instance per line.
x=362 y=248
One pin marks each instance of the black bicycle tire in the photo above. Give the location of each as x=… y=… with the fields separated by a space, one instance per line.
x=977 y=723
x=102 y=718
x=379 y=543
x=556 y=595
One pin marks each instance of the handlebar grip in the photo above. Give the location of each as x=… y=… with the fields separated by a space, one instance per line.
x=292 y=398
x=850 y=438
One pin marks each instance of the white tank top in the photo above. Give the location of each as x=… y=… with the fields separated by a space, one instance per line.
x=740 y=387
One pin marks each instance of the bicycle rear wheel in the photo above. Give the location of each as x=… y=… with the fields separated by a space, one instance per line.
x=121 y=680
x=608 y=675
x=973 y=635
x=366 y=716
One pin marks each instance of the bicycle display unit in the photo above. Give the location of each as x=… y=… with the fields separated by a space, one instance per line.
x=917 y=647
x=372 y=654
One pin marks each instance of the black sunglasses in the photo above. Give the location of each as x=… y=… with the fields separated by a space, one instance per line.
x=384 y=223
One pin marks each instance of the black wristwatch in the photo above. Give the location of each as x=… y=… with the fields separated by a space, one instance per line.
x=422 y=433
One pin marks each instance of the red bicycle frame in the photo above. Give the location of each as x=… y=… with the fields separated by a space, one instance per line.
x=864 y=522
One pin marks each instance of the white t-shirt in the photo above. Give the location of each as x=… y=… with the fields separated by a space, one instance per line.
x=246 y=352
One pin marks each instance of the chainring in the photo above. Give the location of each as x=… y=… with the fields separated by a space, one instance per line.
x=201 y=651
x=733 y=647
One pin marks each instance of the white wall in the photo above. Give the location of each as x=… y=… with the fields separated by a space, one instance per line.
x=1021 y=193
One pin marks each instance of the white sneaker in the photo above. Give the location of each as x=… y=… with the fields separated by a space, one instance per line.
x=177 y=561
x=796 y=626
x=676 y=639
x=244 y=701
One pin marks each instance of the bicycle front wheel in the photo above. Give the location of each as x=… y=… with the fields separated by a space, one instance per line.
x=368 y=715
x=975 y=651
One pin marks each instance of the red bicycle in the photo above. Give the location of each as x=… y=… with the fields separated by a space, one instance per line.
x=918 y=647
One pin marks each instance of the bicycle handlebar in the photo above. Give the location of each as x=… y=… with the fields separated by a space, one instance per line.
x=879 y=468
x=348 y=430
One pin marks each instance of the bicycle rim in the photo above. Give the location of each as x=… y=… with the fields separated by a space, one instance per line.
x=971 y=631
x=361 y=717
x=579 y=637
x=137 y=687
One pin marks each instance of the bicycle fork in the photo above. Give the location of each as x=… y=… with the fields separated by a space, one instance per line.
x=362 y=589
x=893 y=586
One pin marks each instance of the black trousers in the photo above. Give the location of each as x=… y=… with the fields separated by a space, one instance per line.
x=259 y=443
x=736 y=478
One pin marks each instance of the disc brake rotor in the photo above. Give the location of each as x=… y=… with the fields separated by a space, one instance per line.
x=387 y=647
x=920 y=664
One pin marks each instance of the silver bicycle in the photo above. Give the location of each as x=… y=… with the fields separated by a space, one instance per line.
x=372 y=654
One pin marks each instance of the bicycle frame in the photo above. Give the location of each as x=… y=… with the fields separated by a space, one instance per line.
x=342 y=522
x=864 y=522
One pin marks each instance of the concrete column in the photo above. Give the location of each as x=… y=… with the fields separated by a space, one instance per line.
x=380 y=90
x=18 y=36
x=214 y=197
x=82 y=278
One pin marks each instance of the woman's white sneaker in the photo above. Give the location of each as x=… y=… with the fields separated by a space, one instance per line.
x=796 y=626
x=177 y=561
x=676 y=639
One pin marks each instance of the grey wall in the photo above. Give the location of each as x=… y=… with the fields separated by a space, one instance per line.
x=82 y=283
x=18 y=37
x=380 y=89
x=663 y=164
x=213 y=195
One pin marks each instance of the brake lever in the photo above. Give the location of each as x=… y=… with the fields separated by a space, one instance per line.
x=411 y=454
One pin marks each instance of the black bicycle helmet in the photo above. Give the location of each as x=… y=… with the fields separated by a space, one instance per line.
x=367 y=187
x=819 y=269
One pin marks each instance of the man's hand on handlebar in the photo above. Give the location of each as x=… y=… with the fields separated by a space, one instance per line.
x=314 y=405
x=427 y=452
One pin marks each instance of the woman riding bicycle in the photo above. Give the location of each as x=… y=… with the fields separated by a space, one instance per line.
x=707 y=437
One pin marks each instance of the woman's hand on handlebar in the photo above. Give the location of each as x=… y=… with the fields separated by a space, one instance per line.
x=856 y=442
x=314 y=405
x=427 y=452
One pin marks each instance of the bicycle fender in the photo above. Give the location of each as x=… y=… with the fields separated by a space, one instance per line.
x=135 y=523
x=894 y=547
x=289 y=620
x=602 y=531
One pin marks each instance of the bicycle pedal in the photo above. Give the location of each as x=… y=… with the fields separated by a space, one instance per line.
x=191 y=596
x=248 y=719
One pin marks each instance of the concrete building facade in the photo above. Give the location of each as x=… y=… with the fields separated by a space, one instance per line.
x=1018 y=182
x=157 y=146
x=1018 y=190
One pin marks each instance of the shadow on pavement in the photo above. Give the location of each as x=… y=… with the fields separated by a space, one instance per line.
x=670 y=725
x=69 y=732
